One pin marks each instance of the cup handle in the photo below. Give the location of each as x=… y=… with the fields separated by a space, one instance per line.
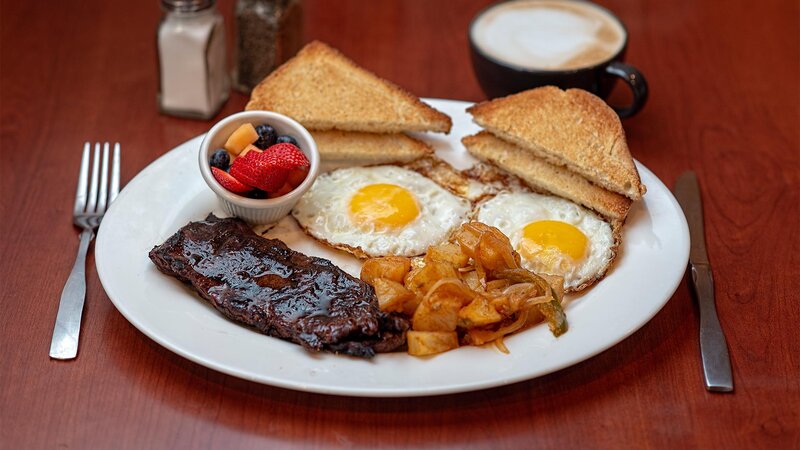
x=635 y=81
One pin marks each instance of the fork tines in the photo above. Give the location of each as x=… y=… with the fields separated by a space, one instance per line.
x=100 y=193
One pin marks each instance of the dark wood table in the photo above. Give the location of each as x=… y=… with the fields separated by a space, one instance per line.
x=725 y=102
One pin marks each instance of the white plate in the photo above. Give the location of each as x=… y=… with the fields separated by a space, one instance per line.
x=169 y=193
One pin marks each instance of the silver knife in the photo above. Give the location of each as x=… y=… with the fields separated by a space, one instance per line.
x=713 y=347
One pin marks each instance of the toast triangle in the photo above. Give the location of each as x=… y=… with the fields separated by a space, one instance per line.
x=324 y=90
x=357 y=148
x=571 y=128
x=546 y=177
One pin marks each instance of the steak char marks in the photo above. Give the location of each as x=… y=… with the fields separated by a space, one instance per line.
x=283 y=293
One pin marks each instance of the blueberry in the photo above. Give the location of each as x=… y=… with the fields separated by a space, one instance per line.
x=220 y=159
x=285 y=138
x=267 y=136
x=256 y=193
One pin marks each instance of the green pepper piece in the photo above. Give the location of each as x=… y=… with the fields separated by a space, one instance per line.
x=552 y=311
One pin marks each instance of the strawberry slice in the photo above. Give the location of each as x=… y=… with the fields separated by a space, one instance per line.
x=229 y=182
x=297 y=175
x=287 y=155
x=256 y=170
x=285 y=189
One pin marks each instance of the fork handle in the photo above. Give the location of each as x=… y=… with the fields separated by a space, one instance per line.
x=68 y=321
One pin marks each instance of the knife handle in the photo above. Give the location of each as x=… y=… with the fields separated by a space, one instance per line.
x=713 y=347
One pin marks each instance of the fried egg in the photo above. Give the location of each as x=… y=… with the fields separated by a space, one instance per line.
x=552 y=235
x=379 y=211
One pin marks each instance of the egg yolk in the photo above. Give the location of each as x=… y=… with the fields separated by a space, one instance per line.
x=383 y=206
x=550 y=240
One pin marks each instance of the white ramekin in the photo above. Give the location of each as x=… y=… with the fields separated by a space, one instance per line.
x=258 y=211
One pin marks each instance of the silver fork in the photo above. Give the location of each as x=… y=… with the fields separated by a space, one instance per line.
x=91 y=200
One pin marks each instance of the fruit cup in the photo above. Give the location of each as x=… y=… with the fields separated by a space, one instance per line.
x=258 y=211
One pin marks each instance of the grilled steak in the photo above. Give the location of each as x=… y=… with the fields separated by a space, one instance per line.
x=283 y=293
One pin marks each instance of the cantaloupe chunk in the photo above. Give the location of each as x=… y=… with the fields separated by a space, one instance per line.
x=250 y=148
x=243 y=136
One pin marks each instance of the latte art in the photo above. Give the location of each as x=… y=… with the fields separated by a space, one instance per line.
x=548 y=34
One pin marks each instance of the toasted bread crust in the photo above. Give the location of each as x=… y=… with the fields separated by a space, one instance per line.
x=361 y=149
x=542 y=175
x=324 y=90
x=571 y=128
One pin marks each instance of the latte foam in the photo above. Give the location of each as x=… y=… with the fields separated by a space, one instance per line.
x=548 y=34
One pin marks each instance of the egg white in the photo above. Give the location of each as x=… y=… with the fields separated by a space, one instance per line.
x=510 y=212
x=323 y=212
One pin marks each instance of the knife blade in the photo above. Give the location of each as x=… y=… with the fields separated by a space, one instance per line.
x=713 y=346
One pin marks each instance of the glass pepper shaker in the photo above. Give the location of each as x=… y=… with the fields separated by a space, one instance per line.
x=268 y=32
x=193 y=80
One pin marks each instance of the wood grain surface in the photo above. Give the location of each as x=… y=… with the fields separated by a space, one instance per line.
x=725 y=102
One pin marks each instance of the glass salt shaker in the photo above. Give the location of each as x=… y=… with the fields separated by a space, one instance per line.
x=193 y=80
x=268 y=32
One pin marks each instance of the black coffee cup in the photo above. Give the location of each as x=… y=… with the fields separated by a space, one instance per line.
x=499 y=78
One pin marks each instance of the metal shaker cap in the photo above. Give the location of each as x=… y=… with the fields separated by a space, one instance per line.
x=186 y=5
